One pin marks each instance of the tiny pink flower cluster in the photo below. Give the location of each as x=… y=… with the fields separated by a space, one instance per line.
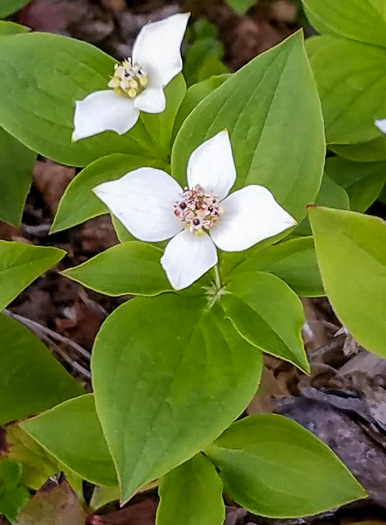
x=198 y=209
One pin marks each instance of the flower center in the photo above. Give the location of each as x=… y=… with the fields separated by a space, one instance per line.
x=198 y=210
x=129 y=79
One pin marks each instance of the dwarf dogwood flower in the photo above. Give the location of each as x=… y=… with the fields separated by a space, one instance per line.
x=197 y=219
x=381 y=125
x=138 y=84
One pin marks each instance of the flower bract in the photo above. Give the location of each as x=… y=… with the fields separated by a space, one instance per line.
x=137 y=84
x=381 y=125
x=198 y=219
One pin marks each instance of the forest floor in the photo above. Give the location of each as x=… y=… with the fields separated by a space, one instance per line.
x=343 y=401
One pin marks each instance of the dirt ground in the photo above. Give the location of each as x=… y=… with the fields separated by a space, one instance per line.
x=344 y=399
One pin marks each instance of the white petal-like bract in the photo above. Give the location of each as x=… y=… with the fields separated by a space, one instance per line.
x=158 y=49
x=103 y=111
x=381 y=125
x=250 y=216
x=143 y=201
x=151 y=100
x=187 y=257
x=212 y=166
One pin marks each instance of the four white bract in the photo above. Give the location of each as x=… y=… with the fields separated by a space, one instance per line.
x=154 y=207
x=381 y=125
x=138 y=84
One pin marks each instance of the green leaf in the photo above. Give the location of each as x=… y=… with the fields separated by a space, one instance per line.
x=362 y=181
x=32 y=380
x=67 y=430
x=160 y=125
x=351 y=87
x=137 y=271
x=38 y=98
x=330 y=194
x=294 y=261
x=121 y=232
x=267 y=313
x=191 y=494
x=37 y=464
x=8 y=7
x=20 y=264
x=58 y=505
x=12 y=496
x=241 y=6
x=371 y=151
x=363 y=20
x=79 y=203
x=272 y=111
x=10 y=28
x=194 y=96
x=275 y=468
x=16 y=164
x=351 y=251
x=201 y=53
x=187 y=369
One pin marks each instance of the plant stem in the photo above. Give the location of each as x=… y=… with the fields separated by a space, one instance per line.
x=217 y=278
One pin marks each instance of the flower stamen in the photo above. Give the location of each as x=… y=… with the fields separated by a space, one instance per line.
x=129 y=79
x=198 y=210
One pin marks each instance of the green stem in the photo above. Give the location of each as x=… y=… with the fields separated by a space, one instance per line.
x=217 y=277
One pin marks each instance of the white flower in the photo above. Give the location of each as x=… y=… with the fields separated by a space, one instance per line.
x=138 y=84
x=154 y=207
x=381 y=125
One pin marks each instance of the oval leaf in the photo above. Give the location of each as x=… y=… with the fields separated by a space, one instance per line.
x=275 y=468
x=268 y=314
x=71 y=432
x=265 y=107
x=191 y=494
x=351 y=250
x=187 y=369
x=20 y=264
x=137 y=271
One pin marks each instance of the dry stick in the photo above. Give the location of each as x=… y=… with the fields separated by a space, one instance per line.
x=48 y=335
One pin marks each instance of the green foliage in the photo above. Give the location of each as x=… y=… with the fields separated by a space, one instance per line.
x=273 y=467
x=38 y=100
x=10 y=28
x=7 y=7
x=13 y=496
x=362 y=20
x=267 y=313
x=241 y=6
x=137 y=270
x=186 y=368
x=191 y=494
x=37 y=382
x=79 y=203
x=351 y=250
x=363 y=182
x=67 y=431
x=351 y=87
x=275 y=125
x=294 y=261
x=16 y=164
x=20 y=264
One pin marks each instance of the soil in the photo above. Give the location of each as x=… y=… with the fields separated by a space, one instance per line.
x=342 y=401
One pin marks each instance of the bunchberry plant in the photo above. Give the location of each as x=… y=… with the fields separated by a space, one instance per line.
x=223 y=171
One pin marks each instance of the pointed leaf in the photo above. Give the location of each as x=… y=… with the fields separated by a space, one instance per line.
x=137 y=270
x=67 y=431
x=274 y=467
x=351 y=250
x=20 y=264
x=16 y=164
x=267 y=313
x=272 y=112
x=191 y=494
x=186 y=368
x=8 y=7
x=31 y=379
